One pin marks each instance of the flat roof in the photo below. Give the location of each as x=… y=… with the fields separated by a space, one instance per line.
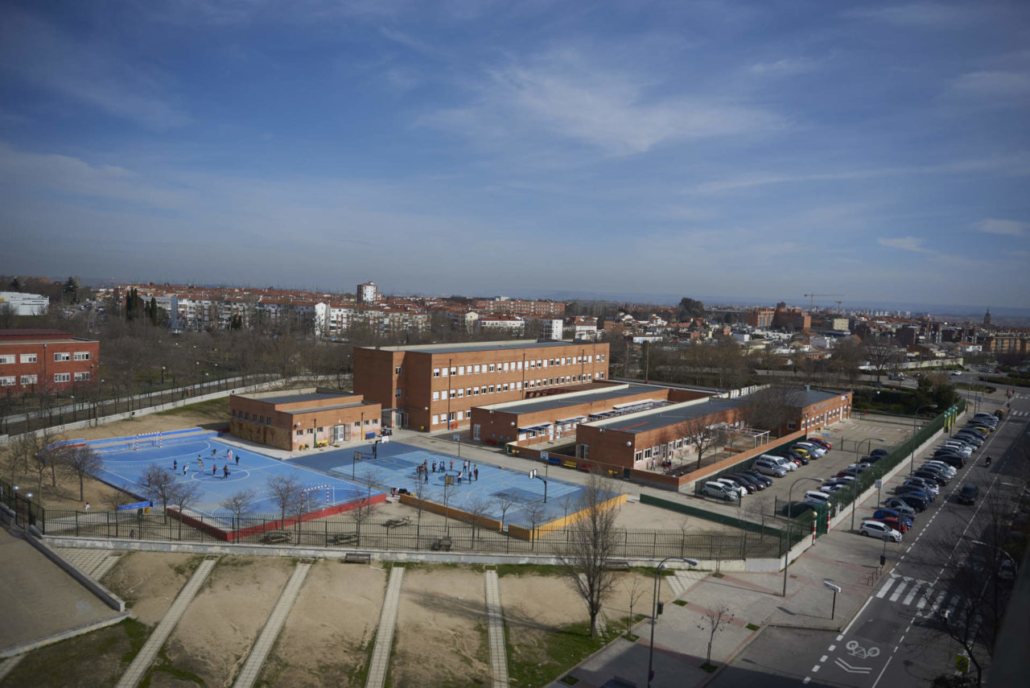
x=559 y=401
x=815 y=396
x=670 y=415
x=287 y=398
x=478 y=346
x=315 y=409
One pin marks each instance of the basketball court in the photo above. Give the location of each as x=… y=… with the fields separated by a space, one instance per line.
x=127 y=459
x=395 y=467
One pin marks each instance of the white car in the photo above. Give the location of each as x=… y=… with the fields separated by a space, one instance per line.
x=950 y=471
x=781 y=461
x=720 y=491
x=767 y=467
x=816 y=497
x=733 y=485
x=879 y=530
x=811 y=448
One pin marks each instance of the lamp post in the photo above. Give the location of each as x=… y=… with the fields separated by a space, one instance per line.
x=915 y=417
x=790 y=518
x=654 y=610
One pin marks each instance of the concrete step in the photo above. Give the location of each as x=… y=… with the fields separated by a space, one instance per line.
x=380 y=662
x=495 y=631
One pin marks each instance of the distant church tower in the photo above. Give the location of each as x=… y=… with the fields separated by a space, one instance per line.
x=987 y=318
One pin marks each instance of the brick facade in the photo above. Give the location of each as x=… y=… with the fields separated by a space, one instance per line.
x=292 y=420
x=37 y=360
x=421 y=384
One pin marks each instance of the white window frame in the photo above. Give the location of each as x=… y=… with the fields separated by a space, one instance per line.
x=82 y=376
x=8 y=381
x=29 y=358
x=62 y=357
x=436 y=372
x=62 y=377
x=29 y=379
x=436 y=419
x=81 y=356
x=436 y=396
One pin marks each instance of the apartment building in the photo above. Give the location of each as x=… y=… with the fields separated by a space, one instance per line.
x=502 y=325
x=36 y=360
x=367 y=293
x=434 y=386
x=501 y=306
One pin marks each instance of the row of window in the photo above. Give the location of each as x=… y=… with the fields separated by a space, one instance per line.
x=454 y=415
x=245 y=415
x=509 y=386
x=507 y=367
x=12 y=380
x=11 y=359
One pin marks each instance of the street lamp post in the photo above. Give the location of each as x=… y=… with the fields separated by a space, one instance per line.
x=654 y=610
x=790 y=517
x=915 y=417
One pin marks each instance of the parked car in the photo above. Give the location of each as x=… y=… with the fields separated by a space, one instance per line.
x=941 y=479
x=902 y=490
x=759 y=477
x=850 y=471
x=801 y=450
x=819 y=440
x=952 y=460
x=893 y=513
x=949 y=471
x=925 y=485
x=719 y=491
x=899 y=505
x=769 y=467
x=816 y=497
x=832 y=486
x=914 y=501
x=798 y=458
x=870 y=459
x=968 y=494
x=747 y=481
x=812 y=448
x=782 y=461
x=860 y=467
x=733 y=485
x=894 y=523
x=879 y=530
x=879 y=451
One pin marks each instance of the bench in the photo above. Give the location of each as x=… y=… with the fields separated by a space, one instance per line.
x=398 y=522
x=357 y=558
x=277 y=537
x=617 y=566
x=442 y=545
x=343 y=539
x=570 y=464
x=585 y=468
x=554 y=460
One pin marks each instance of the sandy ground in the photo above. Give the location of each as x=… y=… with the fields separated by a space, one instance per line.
x=150 y=581
x=327 y=636
x=441 y=629
x=215 y=634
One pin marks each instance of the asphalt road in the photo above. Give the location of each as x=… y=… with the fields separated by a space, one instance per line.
x=892 y=641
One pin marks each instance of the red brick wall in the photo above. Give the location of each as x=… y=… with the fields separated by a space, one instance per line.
x=46 y=367
x=281 y=431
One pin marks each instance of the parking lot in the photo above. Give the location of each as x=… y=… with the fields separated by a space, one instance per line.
x=858 y=436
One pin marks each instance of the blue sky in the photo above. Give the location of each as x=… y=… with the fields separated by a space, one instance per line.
x=879 y=151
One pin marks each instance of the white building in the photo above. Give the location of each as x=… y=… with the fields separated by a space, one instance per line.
x=24 y=304
x=551 y=328
x=510 y=325
x=367 y=293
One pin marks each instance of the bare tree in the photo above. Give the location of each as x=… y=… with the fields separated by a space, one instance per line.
x=636 y=591
x=478 y=509
x=365 y=509
x=504 y=502
x=238 y=504
x=283 y=490
x=83 y=461
x=883 y=354
x=701 y=435
x=184 y=495
x=772 y=407
x=159 y=485
x=301 y=504
x=713 y=621
x=43 y=459
x=535 y=512
x=590 y=546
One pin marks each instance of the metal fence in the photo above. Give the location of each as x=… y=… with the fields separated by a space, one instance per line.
x=26 y=511
x=401 y=535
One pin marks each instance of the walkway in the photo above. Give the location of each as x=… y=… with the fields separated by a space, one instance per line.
x=495 y=631
x=252 y=669
x=134 y=674
x=380 y=662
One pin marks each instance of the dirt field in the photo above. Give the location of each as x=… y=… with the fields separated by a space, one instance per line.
x=328 y=634
x=441 y=629
x=215 y=634
x=149 y=582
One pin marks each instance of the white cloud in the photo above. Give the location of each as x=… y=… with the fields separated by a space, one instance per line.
x=1003 y=227
x=917 y=14
x=84 y=72
x=566 y=97
x=905 y=244
x=997 y=85
x=786 y=67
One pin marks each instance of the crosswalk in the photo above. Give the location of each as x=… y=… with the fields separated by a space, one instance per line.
x=920 y=594
x=1020 y=414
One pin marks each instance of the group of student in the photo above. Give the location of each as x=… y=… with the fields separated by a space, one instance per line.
x=214 y=467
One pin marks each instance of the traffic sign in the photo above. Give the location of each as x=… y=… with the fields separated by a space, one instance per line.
x=962 y=663
x=544 y=456
x=357 y=456
x=456 y=437
x=879 y=484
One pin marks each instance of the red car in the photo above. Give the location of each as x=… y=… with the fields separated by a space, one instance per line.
x=823 y=443
x=894 y=523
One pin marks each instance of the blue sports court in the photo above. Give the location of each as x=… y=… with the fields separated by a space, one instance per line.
x=395 y=467
x=126 y=460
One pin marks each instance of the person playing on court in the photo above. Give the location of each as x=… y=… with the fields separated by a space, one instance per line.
x=175 y=464
x=184 y=468
x=237 y=459
x=225 y=471
x=214 y=469
x=214 y=452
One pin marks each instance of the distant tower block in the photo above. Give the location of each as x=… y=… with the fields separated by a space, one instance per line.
x=987 y=318
x=368 y=293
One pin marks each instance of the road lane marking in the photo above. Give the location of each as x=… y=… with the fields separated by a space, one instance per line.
x=848 y=627
x=807 y=679
x=883 y=670
x=924 y=598
x=886 y=587
x=822 y=660
x=912 y=593
x=815 y=668
x=952 y=606
x=831 y=649
x=937 y=602
x=900 y=589
x=852 y=669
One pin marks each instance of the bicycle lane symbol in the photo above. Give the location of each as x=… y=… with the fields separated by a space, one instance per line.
x=858 y=653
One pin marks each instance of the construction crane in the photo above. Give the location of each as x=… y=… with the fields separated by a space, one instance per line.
x=811 y=297
x=838 y=307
